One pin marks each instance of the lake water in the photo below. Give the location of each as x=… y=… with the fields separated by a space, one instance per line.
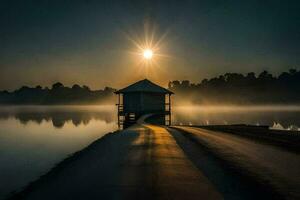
x=35 y=138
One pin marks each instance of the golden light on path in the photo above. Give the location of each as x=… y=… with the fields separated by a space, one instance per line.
x=148 y=53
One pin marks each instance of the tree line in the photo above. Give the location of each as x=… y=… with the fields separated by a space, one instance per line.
x=236 y=88
x=58 y=94
x=229 y=88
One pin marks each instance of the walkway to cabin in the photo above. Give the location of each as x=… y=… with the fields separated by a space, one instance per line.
x=142 y=162
x=154 y=162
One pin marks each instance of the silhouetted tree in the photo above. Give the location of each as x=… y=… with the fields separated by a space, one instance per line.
x=58 y=94
x=237 y=88
x=76 y=87
x=57 y=85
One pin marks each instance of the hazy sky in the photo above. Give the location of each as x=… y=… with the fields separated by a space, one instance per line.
x=87 y=42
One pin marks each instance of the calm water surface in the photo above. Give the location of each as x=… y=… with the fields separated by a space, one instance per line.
x=35 y=138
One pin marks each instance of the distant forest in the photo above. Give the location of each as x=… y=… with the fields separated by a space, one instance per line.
x=58 y=94
x=230 y=88
x=235 y=88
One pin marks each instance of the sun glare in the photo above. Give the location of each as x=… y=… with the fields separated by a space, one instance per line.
x=148 y=53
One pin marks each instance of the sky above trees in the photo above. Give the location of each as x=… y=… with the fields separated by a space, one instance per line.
x=89 y=42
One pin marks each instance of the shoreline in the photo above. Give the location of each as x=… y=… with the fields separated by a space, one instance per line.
x=57 y=167
x=284 y=139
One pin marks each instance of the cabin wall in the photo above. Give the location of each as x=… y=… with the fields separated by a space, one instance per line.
x=152 y=102
x=132 y=102
x=136 y=104
x=143 y=102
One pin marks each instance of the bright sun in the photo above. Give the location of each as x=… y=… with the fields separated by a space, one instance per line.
x=148 y=53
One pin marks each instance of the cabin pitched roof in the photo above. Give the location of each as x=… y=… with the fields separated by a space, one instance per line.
x=144 y=86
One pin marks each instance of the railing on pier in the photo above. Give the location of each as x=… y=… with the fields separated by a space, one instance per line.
x=121 y=117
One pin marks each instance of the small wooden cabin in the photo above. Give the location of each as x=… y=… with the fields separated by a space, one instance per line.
x=143 y=97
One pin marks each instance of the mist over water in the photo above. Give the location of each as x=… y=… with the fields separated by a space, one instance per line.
x=285 y=117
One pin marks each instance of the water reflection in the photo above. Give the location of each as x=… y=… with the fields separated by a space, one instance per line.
x=59 y=115
x=34 y=138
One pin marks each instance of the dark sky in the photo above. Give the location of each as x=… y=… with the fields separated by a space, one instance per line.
x=86 y=42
